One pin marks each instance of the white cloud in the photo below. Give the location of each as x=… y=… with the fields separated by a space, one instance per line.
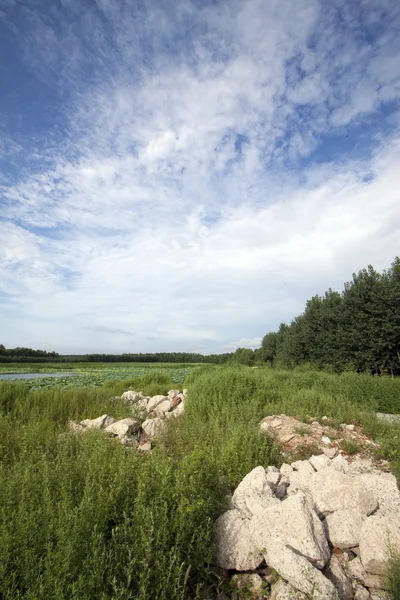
x=174 y=216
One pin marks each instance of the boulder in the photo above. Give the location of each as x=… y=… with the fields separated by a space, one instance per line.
x=355 y=570
x=163 y=407
x=286 y=469
x=333 y=490
x=299 y=481
x=155 y=401
x=384 y=487
x=303 y=466
x=361 y=593
x=123 y=427
x=235 y=548
x=250 y=583
x=320 y=462
x=379 y=540
x=152 y=427
x=339 y=463
x=253 y=493
x=335 y=572
x=172 y=394
x=132 y=396
x=299 y=572
x=273 y=477
x=295 y=524
x=284 y=591
x=103 y=421
x=344 y=527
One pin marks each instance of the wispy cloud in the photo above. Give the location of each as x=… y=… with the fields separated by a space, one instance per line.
x=199 y=172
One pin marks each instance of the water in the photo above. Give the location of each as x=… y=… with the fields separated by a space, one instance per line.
x=34 y=375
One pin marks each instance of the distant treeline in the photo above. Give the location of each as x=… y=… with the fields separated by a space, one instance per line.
x=23 y=355
x=358 y=329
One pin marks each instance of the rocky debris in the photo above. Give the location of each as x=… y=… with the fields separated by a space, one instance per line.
x=293 y=434
x=251 y=583
x=327 y=526
x=132 y=432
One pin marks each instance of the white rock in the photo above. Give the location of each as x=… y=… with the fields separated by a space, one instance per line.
x=293 y=523
x=144 y=447
x=350 y=427
x=344 y=527
x=361 y=593
x=286 y=469
x=329 y=452
x=355 y=570
x=123 y=427
x=320 y=462
x=374 y=582
x=284 y=591
x=325 y=440
x=132 y=396
x=250 y=583
x=386 y=490
x=155 y=401
x=253 y=493
x=185 y=391
x=173 y=393
x=300 y=573
x=235 y=548
x=339 y=463
x=98 y=423
x=335 y=572
x=273 y=478
x=152 y=427
x=332 y=490
x=380 y=537
x=303 y=466
x=299 y=481
x=163 y=407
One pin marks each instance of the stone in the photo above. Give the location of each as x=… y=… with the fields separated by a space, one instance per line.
x=325 y=440
x=75 y=427
x=299 y=481
x=379 y=539
x=303 y=466
x=335 y=572
x=184 y=392
x=386 y=491
x=155 y=401
x=235 y=548
x=123 y=427
x=355 y=570
x=163 y=407
x=361 y=593
x=339 y=463
x=172 y=394
x=152 y=427
x=286 y=469
x=250 y=583
x=144 y=446
x=253 y=493
x=374 y=581
x=280 y=491
x=132 y=396
x=329 y=452
x=332 y=490
x=284 y=591
x=350 y=427
x=320 y=462
x=299 y=572
x=273 y=478
x=344 y=527
x=99 y=423
x=295 y=524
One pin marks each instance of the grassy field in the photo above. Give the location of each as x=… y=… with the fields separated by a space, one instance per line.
x=82 y=517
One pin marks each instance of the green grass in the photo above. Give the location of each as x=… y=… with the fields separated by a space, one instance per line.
x=81 y=517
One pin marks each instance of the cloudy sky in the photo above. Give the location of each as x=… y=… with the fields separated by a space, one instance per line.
x=185 y=175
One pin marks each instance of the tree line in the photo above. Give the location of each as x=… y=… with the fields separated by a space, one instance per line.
x=357 y=329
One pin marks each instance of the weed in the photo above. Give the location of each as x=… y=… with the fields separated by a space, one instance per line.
x=350 y=446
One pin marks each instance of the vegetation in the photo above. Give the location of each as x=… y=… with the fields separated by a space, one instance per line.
x=83 y=517
x=358 y=329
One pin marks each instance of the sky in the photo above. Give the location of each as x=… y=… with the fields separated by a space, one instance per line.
x=184 y=176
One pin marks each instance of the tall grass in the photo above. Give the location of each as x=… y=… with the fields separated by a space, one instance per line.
x=82 y=517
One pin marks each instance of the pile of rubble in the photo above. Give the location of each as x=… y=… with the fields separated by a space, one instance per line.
x=149 y=416
x=323 y=528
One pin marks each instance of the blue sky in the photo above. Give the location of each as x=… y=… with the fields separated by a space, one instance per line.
x=185 y=175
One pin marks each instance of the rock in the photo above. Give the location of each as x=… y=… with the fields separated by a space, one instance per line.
x=384 y=487
x=388 y=417
x=179 y=409
x=303 y=466
x=300 y=573
x=250 y=583
x=329 y=452
x=144 y=446
x=335 y=572
x=350 y=427
x=184 y=392
x=235 y=548
x=163 y=407
x=320 y=462
x=339 y=463
x=253 y=493
x=356 y=571
x=374 y=581
x=75 y=427
x=325 y=440
x=299 y=481
x=172 y=394
x=286 y=469
x=132 y=396
x=103 y=421
x=123 y=427
x=379 y=538
x=361 y=593
x=280 y=491
x=152 y=427
x=293 y=523
x=284 y=591
x=332 y=490
x=155 y=401
x=273 y=476
x=176 y=400
x=344 y=527
x=361 y=465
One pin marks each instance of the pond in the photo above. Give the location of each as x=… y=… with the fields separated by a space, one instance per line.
x=35 y=375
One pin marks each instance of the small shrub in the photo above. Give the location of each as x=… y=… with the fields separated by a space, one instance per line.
x=350 y=446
